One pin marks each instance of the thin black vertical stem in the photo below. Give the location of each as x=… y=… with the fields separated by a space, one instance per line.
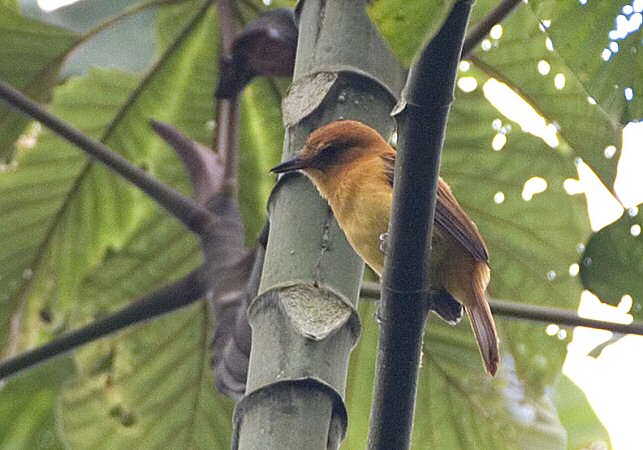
x=422 y=118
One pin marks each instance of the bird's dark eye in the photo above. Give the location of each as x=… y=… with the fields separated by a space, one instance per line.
x=329 y=156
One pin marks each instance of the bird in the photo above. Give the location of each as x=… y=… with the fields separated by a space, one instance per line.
x=352 y=167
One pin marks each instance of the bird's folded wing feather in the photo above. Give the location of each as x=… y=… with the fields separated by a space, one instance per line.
x=449 y=215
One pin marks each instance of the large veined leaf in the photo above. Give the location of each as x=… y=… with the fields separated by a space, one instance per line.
x=408 y=25
x=159 y=251
x=155 y=255
x=158 y=393
x=30 y=55
x=603 y=50
x=27 y=417
x=41 y=185
x=584 y=126
x=458 y=406
x=612 y=264
x=35 y=192
x=192 y=116
x=527 y=62
x=170 y=21
x=77 y=208
x=483 y=414
x=261 y=136
x=106 y=32
x=584 y=429
x=151 y=384
x=532 y=238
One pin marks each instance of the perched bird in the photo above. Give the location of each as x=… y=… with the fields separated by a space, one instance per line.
x=351 y=166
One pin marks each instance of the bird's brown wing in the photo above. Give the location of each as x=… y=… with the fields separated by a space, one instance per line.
x=449 y=215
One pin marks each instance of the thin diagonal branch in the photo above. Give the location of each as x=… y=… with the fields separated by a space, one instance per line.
x=495 y=16
x=193 y=215
x=503 y=308
x=177 y=295
x=560 y=317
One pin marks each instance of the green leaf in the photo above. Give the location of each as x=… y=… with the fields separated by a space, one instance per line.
x=121 y=22
x=159 y=251
x=361 y=375
x=580 y=34
x=584 y=429
x=63 y=212
x=171 y=20
x=149 y=387
x=31 y=53
x=40 y=222
x=482 y=413
x=408 y=25
x=151 y=384
x=260 y=142
x=28 y=413
x=612 y=264
x=458 y=406
x=260 y=132
x=585 y=130
x=531 y=243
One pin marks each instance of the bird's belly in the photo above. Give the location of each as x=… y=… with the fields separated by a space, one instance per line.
x=363 y=227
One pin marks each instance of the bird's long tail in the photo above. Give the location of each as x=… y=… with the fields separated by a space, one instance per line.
x=482 y=322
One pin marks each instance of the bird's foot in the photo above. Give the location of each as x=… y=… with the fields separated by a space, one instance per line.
x=384 y=243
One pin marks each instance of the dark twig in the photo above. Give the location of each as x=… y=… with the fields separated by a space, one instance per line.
x=227 y=26
x=265 y=47
x=560 y=317
x=228 y=138
x=482 y=28
x=177 y=295
x=534 y=313
x=193 y=215
x=227 y=130
x=229 y=267
x=422 y=117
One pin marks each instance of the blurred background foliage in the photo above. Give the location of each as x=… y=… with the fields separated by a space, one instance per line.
x=79 y=243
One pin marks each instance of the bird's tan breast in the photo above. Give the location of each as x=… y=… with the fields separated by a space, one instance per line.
x=361 y=204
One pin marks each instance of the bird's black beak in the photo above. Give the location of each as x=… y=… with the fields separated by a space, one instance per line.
x=291 y=165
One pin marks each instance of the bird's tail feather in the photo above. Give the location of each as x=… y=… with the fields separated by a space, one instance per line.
x=482 y=322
